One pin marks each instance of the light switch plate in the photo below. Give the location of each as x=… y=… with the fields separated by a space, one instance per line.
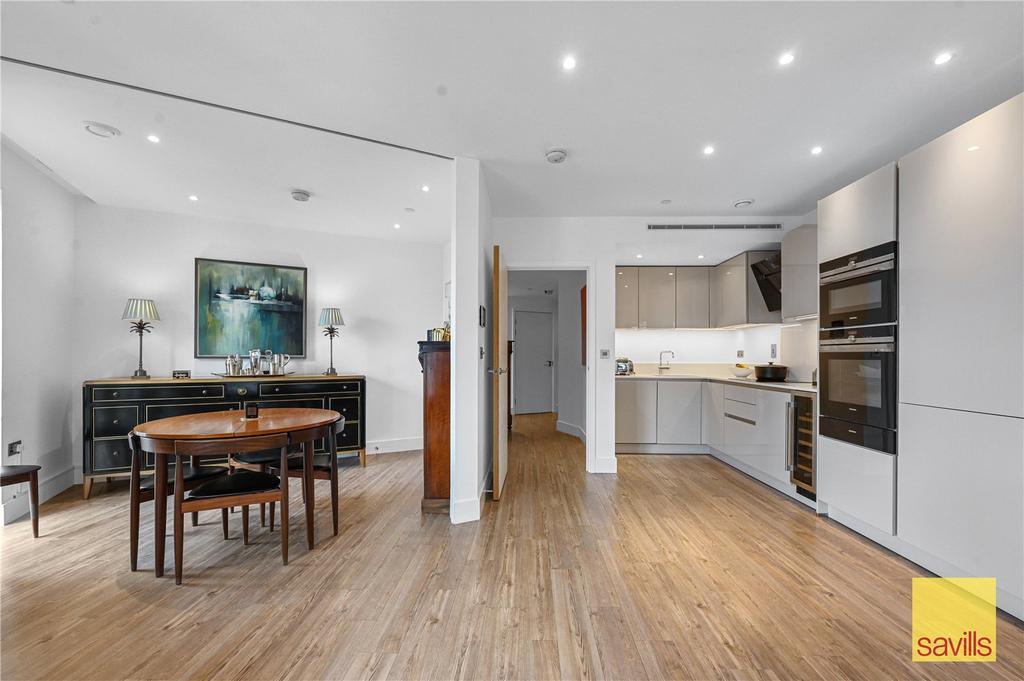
x=606 y=354
x=739 y=354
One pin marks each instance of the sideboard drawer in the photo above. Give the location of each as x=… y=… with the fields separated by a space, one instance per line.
x=350 y=436
x=156 y=392
x=313 y=388
x=114 y=421
x=347 y=407
x=111 y=455
x=164 y=411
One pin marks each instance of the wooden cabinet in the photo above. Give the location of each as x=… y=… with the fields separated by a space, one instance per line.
x=435 y=360
x=693 y=297
x=800 y=272
x=627 y=297
x=858 y=216
x=111 y=408
x=657 y=297
x=961 y=277
x=636 y=411
x=679 y=412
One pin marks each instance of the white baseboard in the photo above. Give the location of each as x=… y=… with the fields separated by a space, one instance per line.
x=571 y=429
x=48 y=488
x=466 y=510
x=622 y=448
x=605 y=464
x=402 y=444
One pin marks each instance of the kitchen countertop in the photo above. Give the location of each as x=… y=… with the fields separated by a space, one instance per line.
x=785 y=386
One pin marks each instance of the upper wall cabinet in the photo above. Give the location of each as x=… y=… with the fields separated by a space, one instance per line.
x=627 y=297
x=961 y=279
x=735 y=296
x=657 y=302
x=693 y=291
x=858 y=216
x=800 y=272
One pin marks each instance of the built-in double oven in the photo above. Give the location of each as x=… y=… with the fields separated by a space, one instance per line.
x=857 y=348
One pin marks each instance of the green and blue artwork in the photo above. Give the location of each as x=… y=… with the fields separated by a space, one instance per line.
x=241 y=306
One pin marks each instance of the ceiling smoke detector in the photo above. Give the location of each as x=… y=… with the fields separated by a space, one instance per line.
x=556 y=155
x=101 y=129
x=301 y=195
x=743 y=203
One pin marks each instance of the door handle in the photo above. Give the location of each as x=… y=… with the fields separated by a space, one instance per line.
x=499 y=371
x=549 y=363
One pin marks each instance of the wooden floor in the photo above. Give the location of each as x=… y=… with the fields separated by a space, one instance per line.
x=678 y=567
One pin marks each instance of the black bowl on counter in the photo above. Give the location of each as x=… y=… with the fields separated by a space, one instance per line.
x=771 y=372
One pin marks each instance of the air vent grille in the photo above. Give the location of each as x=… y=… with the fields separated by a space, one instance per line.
x=681 y=227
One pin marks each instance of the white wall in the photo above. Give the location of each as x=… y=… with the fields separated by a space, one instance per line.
x=39 y=329
x=571 y=374
x=386 y=290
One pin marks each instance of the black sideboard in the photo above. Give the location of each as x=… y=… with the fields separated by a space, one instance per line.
x=112 y=407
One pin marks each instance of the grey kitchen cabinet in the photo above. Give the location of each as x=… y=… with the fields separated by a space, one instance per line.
x=858 y=216
x=693 y=297
x=735 y=296
x=800 y=272
x=657 y=300
x=679 y=412
x=712 y=413
x=960 y=271
x=636 y=411
x=627 y=297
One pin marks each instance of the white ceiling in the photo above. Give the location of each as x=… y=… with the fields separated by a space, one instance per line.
x=655 y=82
x=242 y=168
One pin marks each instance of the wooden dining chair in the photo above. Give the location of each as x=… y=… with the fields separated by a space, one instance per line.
x=261 y=462
x=144 y=489
x=242 y=488
x=12 y=475
x=325 y=467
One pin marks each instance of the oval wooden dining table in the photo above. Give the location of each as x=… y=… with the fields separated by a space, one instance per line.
x=303 y=426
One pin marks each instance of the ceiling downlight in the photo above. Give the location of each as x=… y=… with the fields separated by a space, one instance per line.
x=101 y=129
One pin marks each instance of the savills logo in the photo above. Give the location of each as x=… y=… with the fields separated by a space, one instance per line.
x=954 y=620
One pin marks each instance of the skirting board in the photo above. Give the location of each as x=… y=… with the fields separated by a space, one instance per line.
x=468 y=510
x=605 y=465
x=571 y=429
x=402 y=444
x=661 y=449
x=49 y=488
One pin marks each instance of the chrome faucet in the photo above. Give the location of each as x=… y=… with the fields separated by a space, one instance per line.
x=662 y=364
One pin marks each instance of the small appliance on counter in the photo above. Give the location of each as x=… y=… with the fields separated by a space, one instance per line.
x=770 y=372
x=623 y=366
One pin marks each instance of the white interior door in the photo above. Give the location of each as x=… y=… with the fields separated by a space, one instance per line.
x=499 y=375
x=533 y=379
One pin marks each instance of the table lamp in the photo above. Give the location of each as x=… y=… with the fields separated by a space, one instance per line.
x=330 y=319
x=141 y=311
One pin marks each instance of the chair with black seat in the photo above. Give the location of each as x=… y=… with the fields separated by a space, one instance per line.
x=242 y=488
x=12 y=475
x=144 y=489
x=261 y=462
x=325 y=467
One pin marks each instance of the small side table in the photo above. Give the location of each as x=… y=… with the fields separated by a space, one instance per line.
x=12 y=475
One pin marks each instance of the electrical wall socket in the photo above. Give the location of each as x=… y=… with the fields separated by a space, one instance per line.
x=14 y=448
x=739 y=354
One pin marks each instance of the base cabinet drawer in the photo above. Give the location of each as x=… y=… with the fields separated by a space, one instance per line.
x=857 y=481
x=114 y=421
x=350 y=436
x=111 y=455
x=313 y=388
x=348 y=407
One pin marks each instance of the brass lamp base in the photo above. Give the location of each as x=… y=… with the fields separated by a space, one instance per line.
x=331 y=372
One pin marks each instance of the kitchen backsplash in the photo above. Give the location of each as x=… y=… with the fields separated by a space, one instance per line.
x=698 y=346
x=800 y=349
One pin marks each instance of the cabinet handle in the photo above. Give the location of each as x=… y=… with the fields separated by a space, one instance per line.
x=204 y=392
x=116 y=421
x=789 y=436
x=277 y=390
x=740 y=418
x=243 y=391
x=115 y=393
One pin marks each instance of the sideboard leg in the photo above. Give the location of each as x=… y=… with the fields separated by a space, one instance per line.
x=362 y=458
x=86 y=486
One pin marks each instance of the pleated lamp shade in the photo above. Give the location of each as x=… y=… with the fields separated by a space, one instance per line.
x=141 y=308
x=331 y=316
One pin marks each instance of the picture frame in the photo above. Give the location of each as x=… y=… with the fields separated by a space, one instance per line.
x=240 y=306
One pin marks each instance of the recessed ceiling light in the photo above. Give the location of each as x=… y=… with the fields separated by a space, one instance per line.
x=700 y=257
x=301 y=195
x=193 y=197
x=639 y=255
x=410 y=210
x=398 y=226
x=942 y=58
x=425 y=188
x=101 y=129
x=786 y=58
x=154 y=139
x=973 y=148
x=569 y=62
x=708 y=150
x=815 y=150
x=743 y=203
x=665 y=202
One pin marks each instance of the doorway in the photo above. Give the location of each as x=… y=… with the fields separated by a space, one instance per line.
x=533 y=370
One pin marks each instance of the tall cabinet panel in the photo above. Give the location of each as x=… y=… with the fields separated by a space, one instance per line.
x=858 y=216
x=693 y=297
x=729 y=292
x=800 y=272
x=627 y=298
x=961 y=282
x=657 y=297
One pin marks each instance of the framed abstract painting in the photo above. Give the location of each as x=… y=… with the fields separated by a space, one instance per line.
x=241 y=306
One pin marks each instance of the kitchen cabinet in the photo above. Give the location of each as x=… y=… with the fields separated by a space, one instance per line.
x=679 y=412
x=858 y=216
x=636 y=411
x=693 y=291
x=961 y=277
x=657 y=297
x=859 y=482
x=755 y=430
x=959 y=482
x=712 y=413
x=800 y=272
x=735 y=297
x=627 y=297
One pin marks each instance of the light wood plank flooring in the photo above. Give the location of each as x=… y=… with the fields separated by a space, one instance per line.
x=678 y=567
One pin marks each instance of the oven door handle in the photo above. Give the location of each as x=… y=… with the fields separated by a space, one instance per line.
x=858 y=348
x=854 y=274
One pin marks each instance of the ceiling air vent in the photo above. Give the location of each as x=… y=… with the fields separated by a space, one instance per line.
x=681 y=227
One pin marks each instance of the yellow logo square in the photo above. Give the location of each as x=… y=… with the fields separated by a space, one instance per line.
x=954 y=619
